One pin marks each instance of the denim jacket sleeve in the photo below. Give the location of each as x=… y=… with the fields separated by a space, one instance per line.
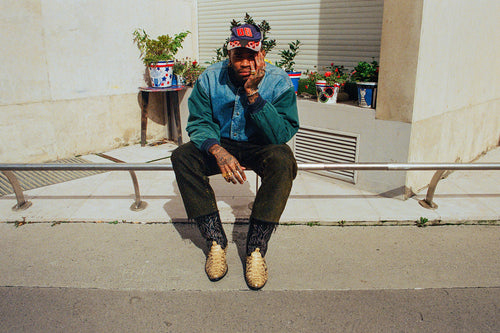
x=200 y=125
x=279 y=120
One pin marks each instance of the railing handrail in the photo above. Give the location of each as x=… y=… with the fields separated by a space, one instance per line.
x=9 y=168
x=301 y=166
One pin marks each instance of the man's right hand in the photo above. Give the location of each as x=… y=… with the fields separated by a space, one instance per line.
x=229 y=166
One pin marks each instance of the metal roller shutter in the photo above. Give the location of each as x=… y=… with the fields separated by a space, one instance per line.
x=340 y=31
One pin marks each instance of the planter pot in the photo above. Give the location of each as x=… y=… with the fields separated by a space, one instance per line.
x=178 y=80
x=161 y=74
x=367 y=94
x=327 y=94
x=181 y=81
x=295 y=77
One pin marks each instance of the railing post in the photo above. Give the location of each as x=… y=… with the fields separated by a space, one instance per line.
x=21 y=203
x=427 y=202
x=138 y=203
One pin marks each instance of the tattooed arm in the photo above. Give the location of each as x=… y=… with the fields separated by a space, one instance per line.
x=231 y=169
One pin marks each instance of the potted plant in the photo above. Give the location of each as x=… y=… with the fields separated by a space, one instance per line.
x=366 y=77
x=180 y=67
x=192 y=72
x=158 y=55
x=329 y=83
x=287 y=62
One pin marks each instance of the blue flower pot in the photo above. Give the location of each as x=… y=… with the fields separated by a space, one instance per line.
x=295 y=77
x=367 y=94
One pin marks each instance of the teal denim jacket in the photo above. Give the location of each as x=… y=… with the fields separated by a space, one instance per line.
x=219 y=109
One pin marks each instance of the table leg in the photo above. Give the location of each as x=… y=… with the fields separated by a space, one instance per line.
x=176 y=118
x=144 y=116
x=168 y=115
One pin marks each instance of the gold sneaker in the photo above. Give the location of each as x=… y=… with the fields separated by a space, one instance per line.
x=256 y=270
x=216 y=265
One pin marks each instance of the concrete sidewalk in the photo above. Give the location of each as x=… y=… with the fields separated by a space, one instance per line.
x=463 y=197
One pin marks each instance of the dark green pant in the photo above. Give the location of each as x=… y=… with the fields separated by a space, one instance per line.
x=275 y=164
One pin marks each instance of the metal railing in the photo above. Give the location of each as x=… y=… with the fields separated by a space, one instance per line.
x=441 y=168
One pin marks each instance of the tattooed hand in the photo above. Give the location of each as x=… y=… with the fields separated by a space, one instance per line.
x=257 y=72
x=229 y=166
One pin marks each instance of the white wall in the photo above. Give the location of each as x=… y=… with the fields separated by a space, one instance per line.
x=70 y=73
x=456 y=110
x=439 y=72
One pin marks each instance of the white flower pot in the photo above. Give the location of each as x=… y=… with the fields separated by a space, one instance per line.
x=327 y=94
x=161 y=74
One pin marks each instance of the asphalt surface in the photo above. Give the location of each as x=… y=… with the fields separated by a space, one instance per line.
x=25 y=309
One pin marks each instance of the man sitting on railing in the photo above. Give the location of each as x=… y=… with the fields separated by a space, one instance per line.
x=241 y=114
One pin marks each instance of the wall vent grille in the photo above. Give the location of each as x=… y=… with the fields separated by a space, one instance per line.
x=315 y=145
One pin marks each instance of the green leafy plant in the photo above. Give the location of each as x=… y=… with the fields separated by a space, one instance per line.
x=365 y=72
x=312 y=224
x=288 y=56
x=267 y=44
x=307 y=88
x=181 y=66
x=192 y=72
x=422 y=221
x=162 y=48
x=332 y=74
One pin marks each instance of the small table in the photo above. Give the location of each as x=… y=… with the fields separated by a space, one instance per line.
x=171 y=110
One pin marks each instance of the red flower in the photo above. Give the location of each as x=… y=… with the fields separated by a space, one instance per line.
x=338 y=77
x=336 y=69
x=307 y=87
x=331 y=64
x=328 y=74
x=194 y=63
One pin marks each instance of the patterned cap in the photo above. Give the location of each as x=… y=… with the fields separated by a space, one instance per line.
x=246 y=35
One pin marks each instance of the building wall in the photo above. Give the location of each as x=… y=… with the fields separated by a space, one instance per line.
x=456 y=110
x=439 y=61
x=398 y=59
x=70 y=73
x=375 y=138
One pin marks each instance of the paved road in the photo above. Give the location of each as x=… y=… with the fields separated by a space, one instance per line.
x=98 y=277
x=93 y=310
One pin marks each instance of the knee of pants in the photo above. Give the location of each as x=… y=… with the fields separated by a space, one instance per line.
x=282 y=161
